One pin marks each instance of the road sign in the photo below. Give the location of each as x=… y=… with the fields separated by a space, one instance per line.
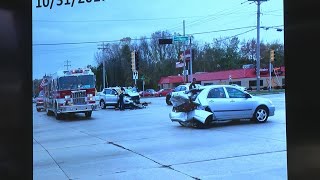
x=180 y=38
x=135 y=74
x=185 y=72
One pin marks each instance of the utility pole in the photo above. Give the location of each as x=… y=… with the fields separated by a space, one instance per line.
x=190 y=62
x=67 y=61
x=185 y=76
x=258 y=43
x=103 y=68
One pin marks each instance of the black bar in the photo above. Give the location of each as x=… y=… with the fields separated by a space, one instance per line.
x=165 y=41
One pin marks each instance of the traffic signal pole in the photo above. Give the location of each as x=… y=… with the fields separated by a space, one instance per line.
x=270 y=67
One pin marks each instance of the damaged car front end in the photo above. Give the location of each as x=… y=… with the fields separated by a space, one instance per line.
x=188 y=111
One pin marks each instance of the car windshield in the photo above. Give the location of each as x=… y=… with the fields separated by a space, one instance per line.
x=74 y=82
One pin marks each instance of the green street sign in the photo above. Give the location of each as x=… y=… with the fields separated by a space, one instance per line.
x=180 y=38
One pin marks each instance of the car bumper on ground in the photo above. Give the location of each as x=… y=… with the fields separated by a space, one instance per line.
x=199 y=115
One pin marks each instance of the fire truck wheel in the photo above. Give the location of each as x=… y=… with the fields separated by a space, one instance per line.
x=88 y=114
x=102 y=104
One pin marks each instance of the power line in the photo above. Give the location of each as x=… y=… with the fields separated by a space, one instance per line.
x=236 y=35
x=222 y=30
x=115 y=20
x=110 y=41
x=271 y=14
x=230 y=12
x=210 y=16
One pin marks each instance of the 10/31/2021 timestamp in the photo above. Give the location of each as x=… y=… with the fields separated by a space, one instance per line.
x=50 y=3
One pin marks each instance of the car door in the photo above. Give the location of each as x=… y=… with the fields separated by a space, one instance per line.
x=219 y=103
x=107 y=93
x=240 y=104
x=113 y=96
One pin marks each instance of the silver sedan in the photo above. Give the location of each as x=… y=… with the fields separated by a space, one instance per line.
x=202 y=106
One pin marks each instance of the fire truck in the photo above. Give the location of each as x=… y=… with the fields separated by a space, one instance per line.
x=70 y=91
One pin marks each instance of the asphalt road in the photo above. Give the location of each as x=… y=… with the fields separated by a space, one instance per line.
x=145 y=144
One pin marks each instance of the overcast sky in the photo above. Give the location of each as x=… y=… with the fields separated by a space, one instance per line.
x=111 y=20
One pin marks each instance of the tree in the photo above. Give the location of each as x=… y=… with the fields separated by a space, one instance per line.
x=158 y=60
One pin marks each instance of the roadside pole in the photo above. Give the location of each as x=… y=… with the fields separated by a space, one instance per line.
x=185 y=76
x=190 y=62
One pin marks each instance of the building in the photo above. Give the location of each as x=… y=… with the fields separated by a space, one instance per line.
x=244 y=77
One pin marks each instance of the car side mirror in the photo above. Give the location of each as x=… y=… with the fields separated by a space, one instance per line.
x=247 y=95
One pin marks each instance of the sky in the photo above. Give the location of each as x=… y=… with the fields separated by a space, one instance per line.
x=88 y=24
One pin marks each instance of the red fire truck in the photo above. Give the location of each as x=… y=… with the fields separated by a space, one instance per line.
x=70 y=91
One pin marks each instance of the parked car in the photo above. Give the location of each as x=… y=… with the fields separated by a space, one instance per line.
x=182 y=87
x=215 y=103
x=147 y=92
x=240 y=87
x=162 y=92
x=110 y=96
x=40 y=101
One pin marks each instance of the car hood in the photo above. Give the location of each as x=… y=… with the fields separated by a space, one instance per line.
x=131 y=93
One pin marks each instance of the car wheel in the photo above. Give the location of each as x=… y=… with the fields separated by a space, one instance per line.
x=160 y=95
x=58 y=115
x=261 y=114
x=198 y=125
x=38 y=109
x=168 y=102
x=102 y=104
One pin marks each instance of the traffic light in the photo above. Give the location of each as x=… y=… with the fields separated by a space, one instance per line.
x=271 y=55
x=133 y=61
x=136 y=60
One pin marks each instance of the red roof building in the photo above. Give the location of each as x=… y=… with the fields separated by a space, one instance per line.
x=243 y=77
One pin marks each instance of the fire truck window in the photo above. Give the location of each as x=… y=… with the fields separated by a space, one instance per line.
x=68 y=82
x=86 y=81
